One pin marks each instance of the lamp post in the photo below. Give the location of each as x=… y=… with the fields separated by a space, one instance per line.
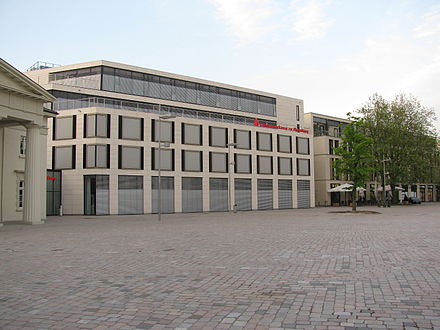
x=383 y=182
x=231 y=163
x=161 y=118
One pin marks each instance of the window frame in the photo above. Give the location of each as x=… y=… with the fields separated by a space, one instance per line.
x=184 y=162
x=259 y=135
x=298 y=167
x=297 y=145
x=120 y=147
x=226 y=158
x=200 y=134
x=54 y=128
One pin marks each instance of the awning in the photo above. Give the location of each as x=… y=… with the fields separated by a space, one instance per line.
x=346 y=187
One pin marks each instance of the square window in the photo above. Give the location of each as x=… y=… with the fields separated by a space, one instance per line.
x=264 y=165
x=166 y=131
x=284 y=143
x=218 y=136
x=243 y=139
x=264 y=141
x=243 y=163
x=166 y=159
x=64 y=128
x=63 y=157
x=303 y=166
x=218 y=162
x=131 y=157
x=191 y=134
x=131 y=128
x=302 y=146
x=284 y=166
x=191 y=161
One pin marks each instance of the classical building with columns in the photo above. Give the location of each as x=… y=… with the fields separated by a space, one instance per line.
x=132 y=140
x=23 y=147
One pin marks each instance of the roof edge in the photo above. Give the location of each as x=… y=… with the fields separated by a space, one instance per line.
x=41 y=92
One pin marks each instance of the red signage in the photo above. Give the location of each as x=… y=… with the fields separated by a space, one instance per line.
x=257 y=123
x=51 y=178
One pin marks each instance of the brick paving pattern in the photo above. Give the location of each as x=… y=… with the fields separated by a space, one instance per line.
x=291 y=269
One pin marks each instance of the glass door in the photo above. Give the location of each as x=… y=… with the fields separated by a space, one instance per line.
x=90 y=195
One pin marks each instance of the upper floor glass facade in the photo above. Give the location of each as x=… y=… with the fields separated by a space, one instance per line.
x=142 y=84
x=327 y=127
x=68 y=100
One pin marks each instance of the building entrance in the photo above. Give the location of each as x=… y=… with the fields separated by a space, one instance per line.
x=96 y=194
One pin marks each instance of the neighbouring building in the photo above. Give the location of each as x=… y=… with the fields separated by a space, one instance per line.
x=222 y=146
x=23 y=146
x=327 y=136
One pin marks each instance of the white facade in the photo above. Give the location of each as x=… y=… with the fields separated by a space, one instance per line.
x=23 y=139
x=128 y=142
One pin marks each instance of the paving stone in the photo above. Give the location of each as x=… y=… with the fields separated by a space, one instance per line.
x=292 y=269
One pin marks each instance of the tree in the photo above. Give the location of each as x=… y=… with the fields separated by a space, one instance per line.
x=402 y=131
x=355 y=151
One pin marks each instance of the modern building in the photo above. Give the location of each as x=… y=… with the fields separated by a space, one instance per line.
x=23 y=138
x=327 y=136
x=221 y=147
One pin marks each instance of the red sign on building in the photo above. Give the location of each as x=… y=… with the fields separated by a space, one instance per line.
x=257 y=123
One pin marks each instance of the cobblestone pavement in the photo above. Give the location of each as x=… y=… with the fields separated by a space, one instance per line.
x=255 y=270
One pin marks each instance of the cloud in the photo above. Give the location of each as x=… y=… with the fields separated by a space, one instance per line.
x=310 y=20
x=430 y=25
x=386 y=65
x=247 y=19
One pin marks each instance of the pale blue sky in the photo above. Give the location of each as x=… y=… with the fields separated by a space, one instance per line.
x=332 y=53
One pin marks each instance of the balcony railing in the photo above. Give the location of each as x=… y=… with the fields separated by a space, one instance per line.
x=92 y=102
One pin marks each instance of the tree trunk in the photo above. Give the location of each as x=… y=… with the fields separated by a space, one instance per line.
x=354 y=199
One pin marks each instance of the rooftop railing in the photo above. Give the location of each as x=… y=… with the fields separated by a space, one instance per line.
x=155 y=108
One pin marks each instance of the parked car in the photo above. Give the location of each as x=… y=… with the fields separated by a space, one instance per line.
x=415 y=200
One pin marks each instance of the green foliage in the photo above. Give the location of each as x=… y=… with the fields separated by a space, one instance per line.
x=356 y=155
x=402 y=131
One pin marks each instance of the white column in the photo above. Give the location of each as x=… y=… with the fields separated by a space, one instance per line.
x=32 y=176
x=43 y=162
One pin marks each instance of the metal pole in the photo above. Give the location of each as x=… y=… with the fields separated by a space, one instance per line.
x=230 y=163
x=230 y=178
x=159 y=212
x=383 y=185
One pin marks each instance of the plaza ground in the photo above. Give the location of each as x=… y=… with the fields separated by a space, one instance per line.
x=273 y=269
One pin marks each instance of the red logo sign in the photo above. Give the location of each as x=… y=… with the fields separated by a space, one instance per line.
x=257 y=123
x=51 y=178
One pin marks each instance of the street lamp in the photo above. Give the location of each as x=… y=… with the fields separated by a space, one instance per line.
x=167 y=144
x=383 y=181
x=231 y=163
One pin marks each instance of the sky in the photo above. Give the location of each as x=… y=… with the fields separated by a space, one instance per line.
x=333 y=54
